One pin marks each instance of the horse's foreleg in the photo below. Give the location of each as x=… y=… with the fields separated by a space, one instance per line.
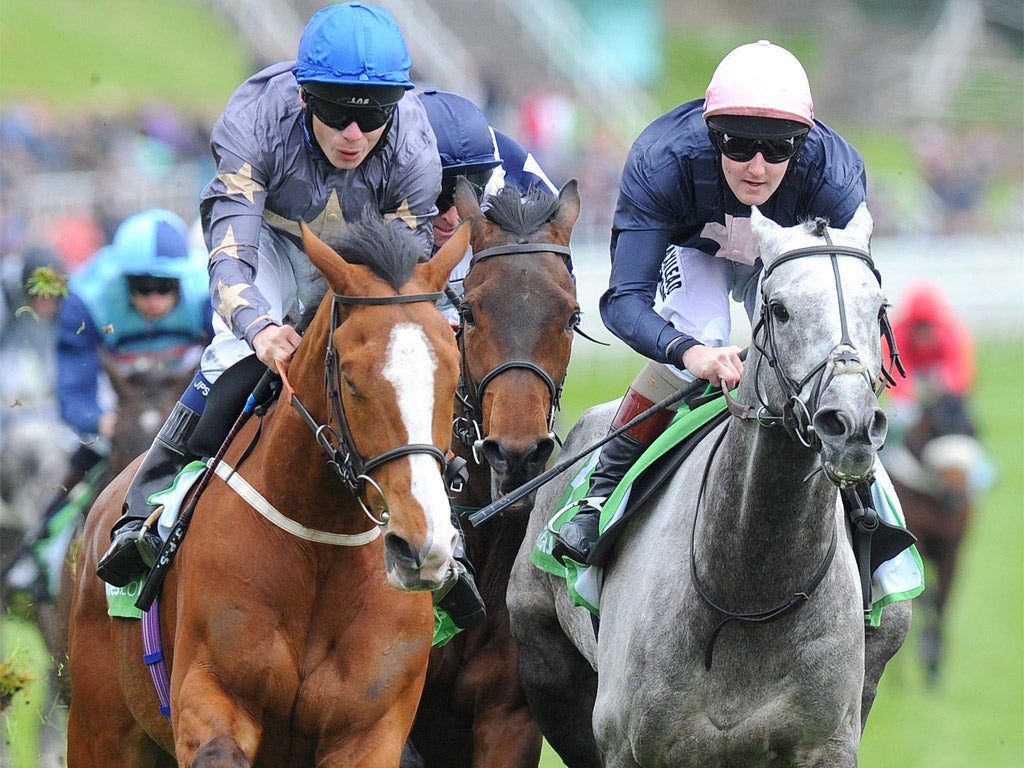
x=880 y=644
x=560 y=684
x=211 y=730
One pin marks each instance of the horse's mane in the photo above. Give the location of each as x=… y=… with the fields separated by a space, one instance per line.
x=390 y=251
x=519 y=213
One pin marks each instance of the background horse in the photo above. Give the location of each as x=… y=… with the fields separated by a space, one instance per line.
x=518 y=314
x=286 y=639
x=931 y=470
x=689 y=666
x=146 y=388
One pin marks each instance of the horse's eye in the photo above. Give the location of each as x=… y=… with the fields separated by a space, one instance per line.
x=779 y=312
x=466 y=312
x=351 y=386
x=574 y=321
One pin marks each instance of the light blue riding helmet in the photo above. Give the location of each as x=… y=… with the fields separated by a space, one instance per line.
x=154 y=242
x=354 y=44
x=463 y=133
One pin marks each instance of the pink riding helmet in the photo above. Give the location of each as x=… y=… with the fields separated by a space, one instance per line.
x=760 y=80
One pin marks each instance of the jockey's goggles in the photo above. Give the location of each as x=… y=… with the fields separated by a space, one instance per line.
x=145 y=284
x=341 y=116
x=446 y=199
x=742 y=149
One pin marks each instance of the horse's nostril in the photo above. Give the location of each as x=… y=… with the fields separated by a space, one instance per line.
x=538 y=457
x=508 y=461
x=495 y=455
x=829 y=422
x=401 y=551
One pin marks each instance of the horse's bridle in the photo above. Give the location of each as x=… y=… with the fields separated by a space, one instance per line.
x=336 y=438
x=843 y=359
x=468 y=427
x=796 y=414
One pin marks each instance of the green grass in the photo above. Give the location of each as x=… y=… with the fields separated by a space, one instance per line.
x=74 y=55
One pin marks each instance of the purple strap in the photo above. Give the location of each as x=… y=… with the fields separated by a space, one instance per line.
x=153 y=656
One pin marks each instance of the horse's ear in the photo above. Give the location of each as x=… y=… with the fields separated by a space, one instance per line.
x=766 y=233
x=445 y=260
x=568 y=207
x=324 y=258
x=466 y=201
x=861 y=224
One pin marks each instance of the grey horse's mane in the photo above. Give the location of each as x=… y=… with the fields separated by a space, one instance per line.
x=519 y=213
x=390 y=251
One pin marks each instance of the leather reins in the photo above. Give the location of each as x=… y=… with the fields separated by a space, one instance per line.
x=796 y=414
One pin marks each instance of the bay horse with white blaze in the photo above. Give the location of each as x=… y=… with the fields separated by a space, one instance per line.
x=517 y=317
x=731 y=627
x=294 y=632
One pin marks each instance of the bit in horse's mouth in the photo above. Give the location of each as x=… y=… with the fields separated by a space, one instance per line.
x=845 y=479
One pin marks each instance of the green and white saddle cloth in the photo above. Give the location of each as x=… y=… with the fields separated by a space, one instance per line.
x=901 y=578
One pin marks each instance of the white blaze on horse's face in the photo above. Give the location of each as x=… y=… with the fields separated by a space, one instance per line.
x=410 y=366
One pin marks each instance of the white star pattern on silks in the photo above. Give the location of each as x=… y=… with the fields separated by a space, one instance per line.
x=241 y=183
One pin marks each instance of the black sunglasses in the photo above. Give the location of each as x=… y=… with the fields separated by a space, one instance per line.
x=742 y=149
x=143 y=284
x=446 y=199
x=339 y=116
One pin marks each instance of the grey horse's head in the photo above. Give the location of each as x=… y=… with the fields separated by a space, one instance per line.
x=819 y=314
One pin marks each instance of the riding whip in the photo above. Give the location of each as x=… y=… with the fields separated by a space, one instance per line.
x=496 y=507
x=155 y=578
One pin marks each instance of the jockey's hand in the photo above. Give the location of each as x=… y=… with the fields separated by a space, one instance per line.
x=715 y=364
x=276 y=342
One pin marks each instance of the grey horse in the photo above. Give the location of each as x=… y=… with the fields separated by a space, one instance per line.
x=731 y=625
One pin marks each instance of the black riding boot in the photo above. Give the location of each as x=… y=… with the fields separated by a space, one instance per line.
x=134 y=548
x=462 y=601
x=577 y=536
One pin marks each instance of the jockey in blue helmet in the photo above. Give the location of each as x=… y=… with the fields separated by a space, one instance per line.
x=489 y=159
x=316 y=140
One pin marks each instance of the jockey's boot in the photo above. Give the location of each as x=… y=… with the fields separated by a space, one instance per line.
x=185 y=435
x=577 y=536
x=462 y=601
x=134 y=546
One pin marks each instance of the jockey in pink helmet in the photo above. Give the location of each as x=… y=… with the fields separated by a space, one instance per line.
x=681 y=231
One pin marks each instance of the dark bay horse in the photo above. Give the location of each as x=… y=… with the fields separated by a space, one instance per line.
x=296 y=622
x=931 y=470
x=518 y=315
x=731 y=625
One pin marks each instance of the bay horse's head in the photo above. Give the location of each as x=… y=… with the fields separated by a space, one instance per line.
x=817 y=365
x=392 y=366
x=517 y=318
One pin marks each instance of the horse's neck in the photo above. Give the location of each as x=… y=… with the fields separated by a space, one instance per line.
x=759 y=521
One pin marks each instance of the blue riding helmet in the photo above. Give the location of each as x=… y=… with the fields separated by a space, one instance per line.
x=464 y=139
x=354 y=44
x=154 y=242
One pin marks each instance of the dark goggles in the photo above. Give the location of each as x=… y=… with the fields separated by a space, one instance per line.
x=143 y=284
x=446 y=199
x=340 y=116
x=742 y=149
